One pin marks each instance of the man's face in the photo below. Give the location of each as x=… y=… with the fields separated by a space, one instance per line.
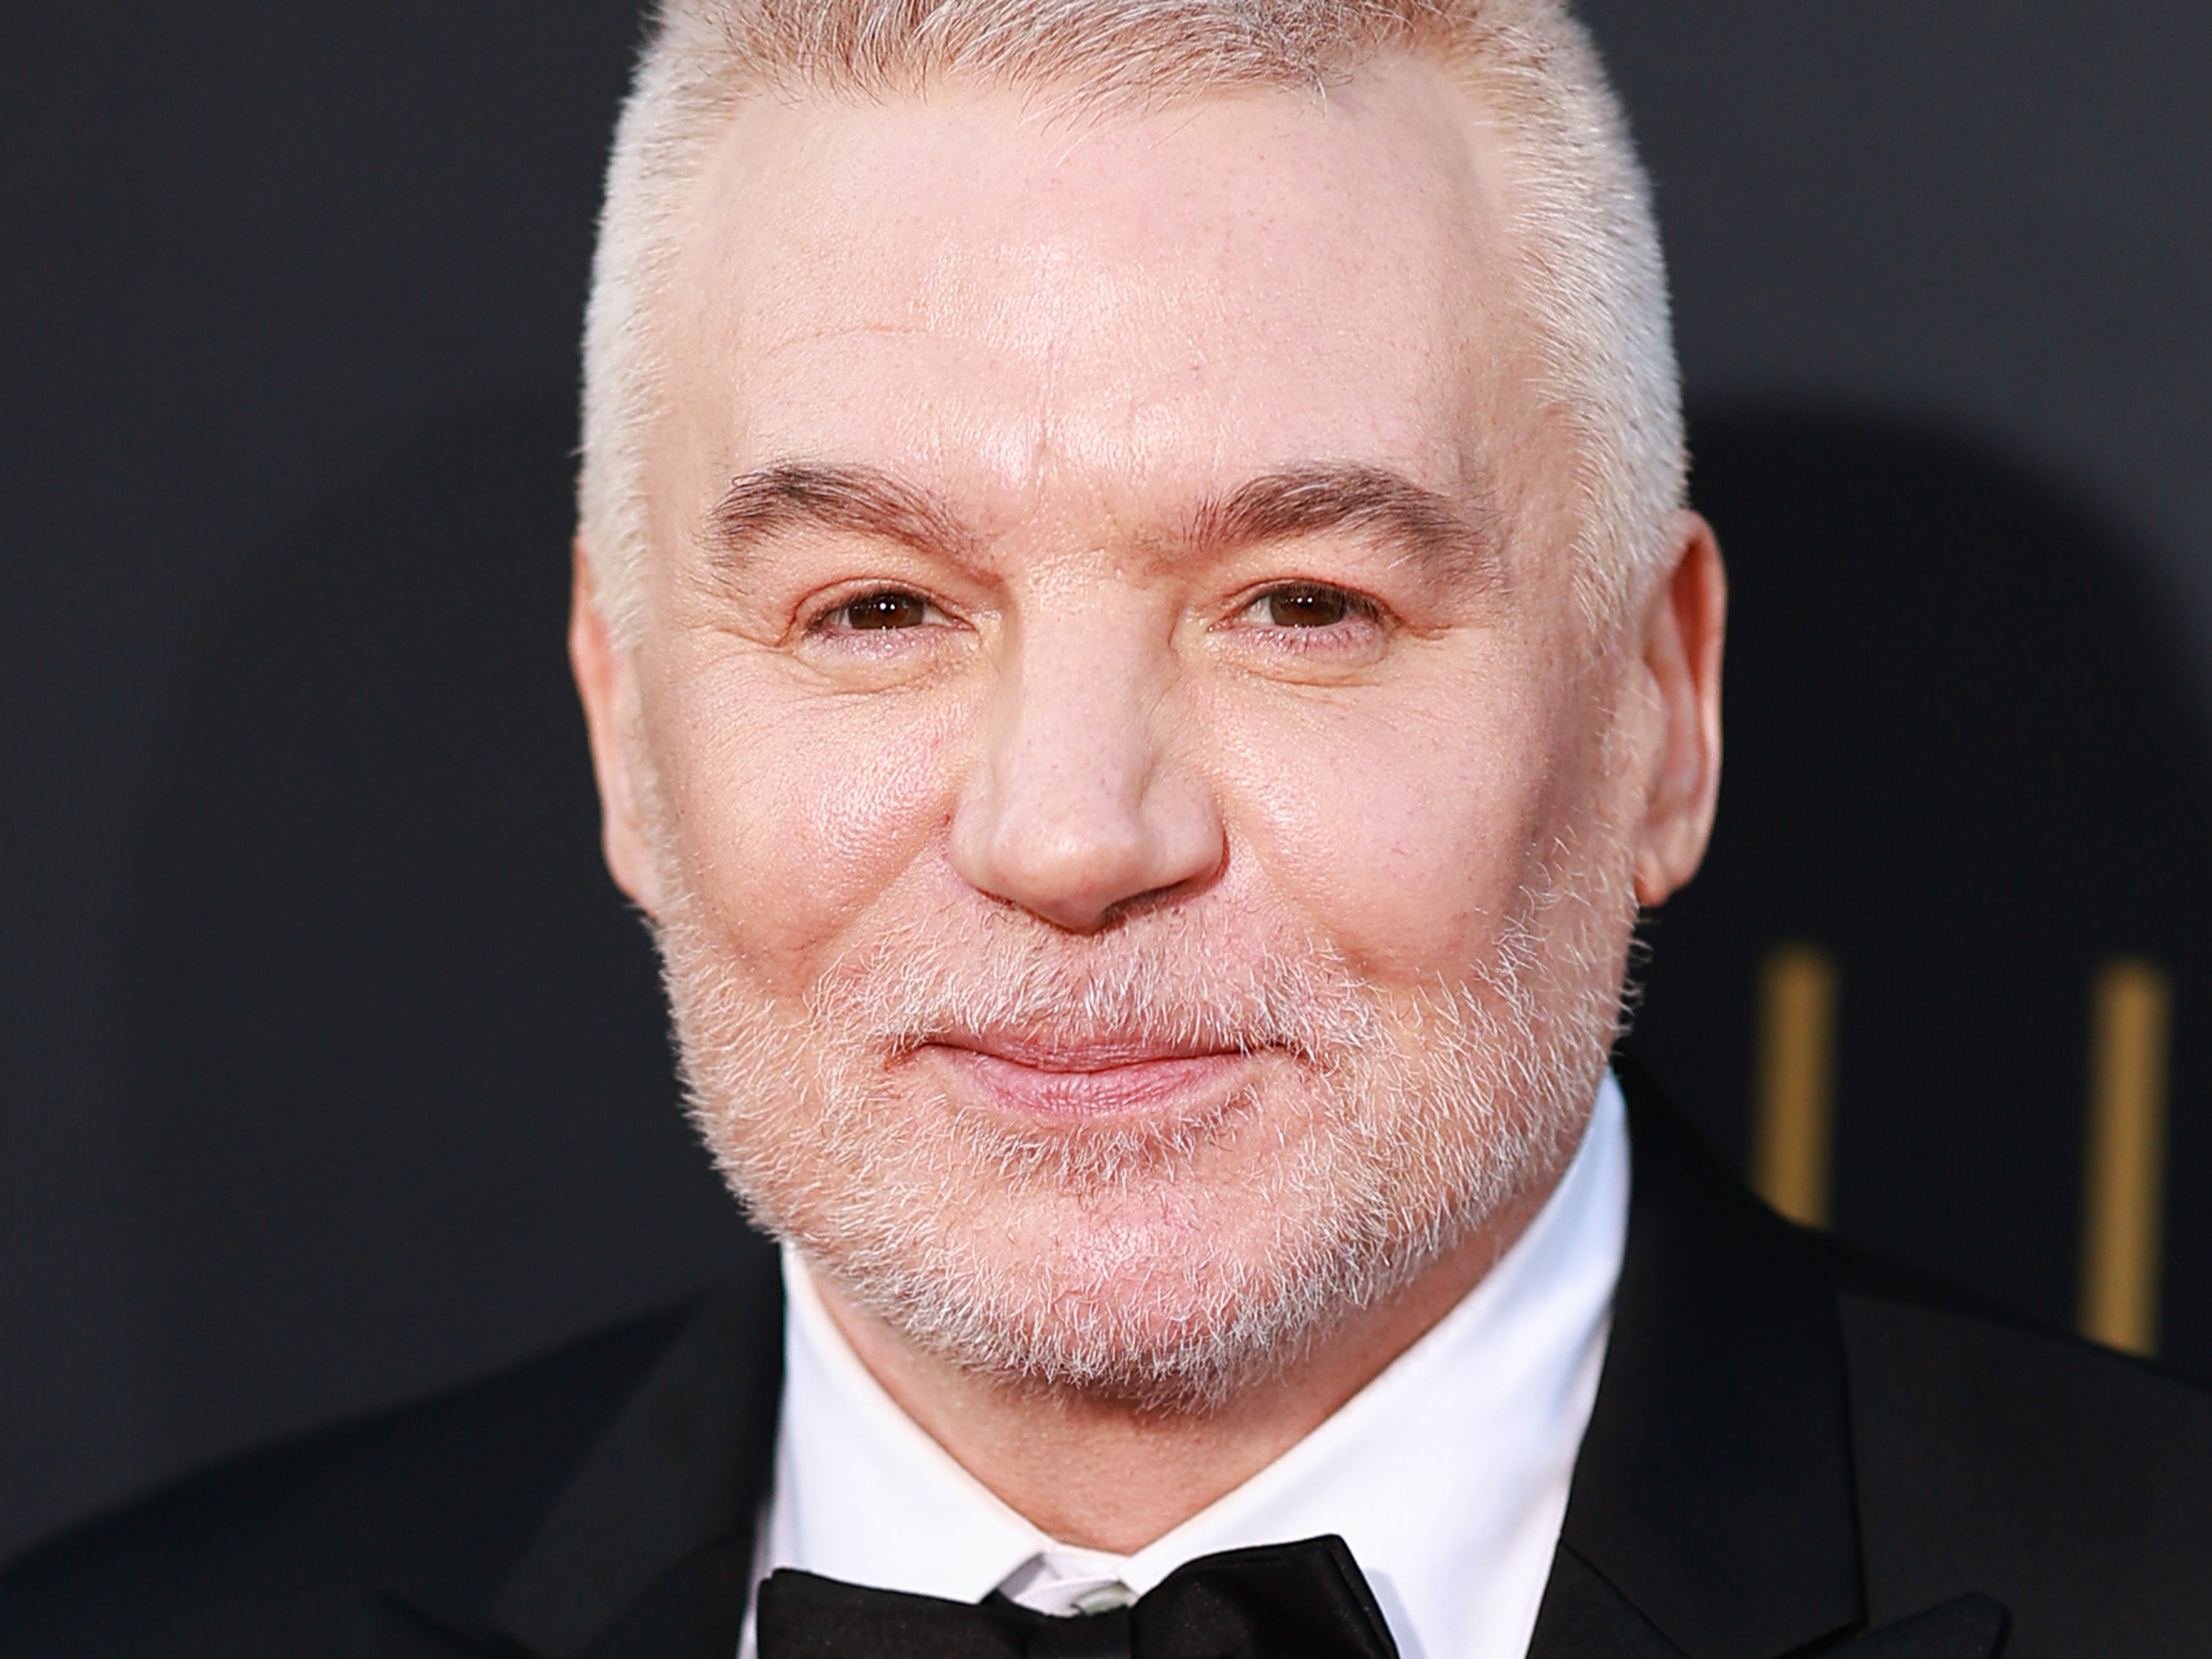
x=1139 y=839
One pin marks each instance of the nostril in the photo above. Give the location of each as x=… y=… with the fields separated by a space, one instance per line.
x=1072 y=874
x=1087 y=871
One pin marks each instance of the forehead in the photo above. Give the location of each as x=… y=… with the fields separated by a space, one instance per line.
x=1012 y=303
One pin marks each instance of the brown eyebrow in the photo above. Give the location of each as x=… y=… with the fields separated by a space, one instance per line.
x=1308 y=501
x=1300 y=500
x=862 y=499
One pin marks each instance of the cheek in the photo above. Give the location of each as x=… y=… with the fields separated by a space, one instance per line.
x=793 y=814
x=1400 y=828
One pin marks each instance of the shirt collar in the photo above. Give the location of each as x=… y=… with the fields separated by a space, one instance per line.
x=862 y=1492
x=1447 y=1474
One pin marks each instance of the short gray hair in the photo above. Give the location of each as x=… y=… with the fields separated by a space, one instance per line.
x=1595 y=288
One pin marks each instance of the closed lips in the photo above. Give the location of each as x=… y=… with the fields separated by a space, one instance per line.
x=1086 y=1079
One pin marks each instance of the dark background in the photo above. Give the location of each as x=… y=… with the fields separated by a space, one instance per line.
x=332 y=1068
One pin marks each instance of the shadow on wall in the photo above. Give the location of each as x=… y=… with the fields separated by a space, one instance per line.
x=402 y=1088
x=1963 y=769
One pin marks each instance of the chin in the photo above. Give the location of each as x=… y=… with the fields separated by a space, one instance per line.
x=1165 y=1261
x=1146 y=1260
x=1114 y=1302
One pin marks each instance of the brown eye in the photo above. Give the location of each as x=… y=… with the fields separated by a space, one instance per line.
x=884 y=611
x=1308 y=607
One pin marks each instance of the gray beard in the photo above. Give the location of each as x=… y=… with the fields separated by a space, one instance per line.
x=1397 y=1129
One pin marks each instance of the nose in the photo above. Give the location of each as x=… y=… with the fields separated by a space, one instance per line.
x=1081 y=802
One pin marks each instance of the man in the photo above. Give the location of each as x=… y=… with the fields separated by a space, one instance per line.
x=1143 y=652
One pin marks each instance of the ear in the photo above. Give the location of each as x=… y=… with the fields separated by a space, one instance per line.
x=1682 y=632
x=607 y=682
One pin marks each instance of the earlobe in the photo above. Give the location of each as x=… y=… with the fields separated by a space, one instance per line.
x=606 y=683
x=1684 y=632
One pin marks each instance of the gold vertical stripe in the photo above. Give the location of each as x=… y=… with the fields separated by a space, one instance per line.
x=2124 y=1194
x=1793 y=1099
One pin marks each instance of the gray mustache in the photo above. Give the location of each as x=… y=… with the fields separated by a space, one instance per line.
x=917 y=986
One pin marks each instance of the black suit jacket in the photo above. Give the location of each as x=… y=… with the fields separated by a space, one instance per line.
x=1794 y=1451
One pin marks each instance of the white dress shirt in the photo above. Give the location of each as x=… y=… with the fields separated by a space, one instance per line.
x=1447 y=1474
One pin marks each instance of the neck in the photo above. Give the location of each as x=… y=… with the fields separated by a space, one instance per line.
x=1106 y=1475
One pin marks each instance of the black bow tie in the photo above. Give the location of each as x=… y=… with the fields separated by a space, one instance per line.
x=1304 y=1601
x=1286 y=1602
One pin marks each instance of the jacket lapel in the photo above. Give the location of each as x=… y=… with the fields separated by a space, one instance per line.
x=389 y=1628
x=649 y=1547
x=1712 y=1512
x=1589 y=1618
